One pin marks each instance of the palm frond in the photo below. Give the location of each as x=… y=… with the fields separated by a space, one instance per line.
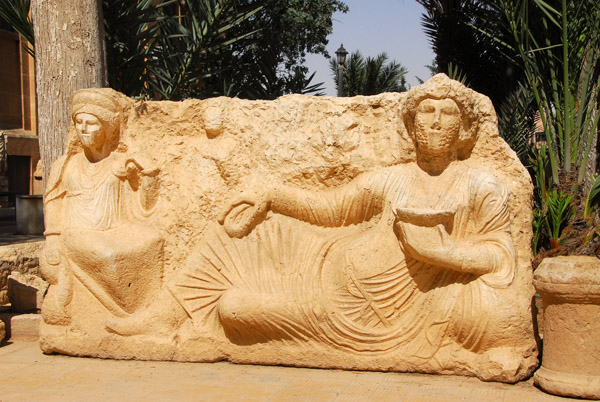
x=16 y=14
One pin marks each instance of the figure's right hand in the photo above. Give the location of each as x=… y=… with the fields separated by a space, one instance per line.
x=425 y=217
x=244 y=213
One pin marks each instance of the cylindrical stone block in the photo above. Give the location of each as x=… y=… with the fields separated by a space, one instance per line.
x=570 y=290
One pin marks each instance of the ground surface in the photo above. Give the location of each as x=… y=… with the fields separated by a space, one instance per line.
x=28 y=375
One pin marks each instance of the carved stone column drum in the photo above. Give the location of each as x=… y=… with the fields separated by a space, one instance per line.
x=570 y=290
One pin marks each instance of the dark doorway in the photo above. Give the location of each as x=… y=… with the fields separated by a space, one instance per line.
x=18 y=175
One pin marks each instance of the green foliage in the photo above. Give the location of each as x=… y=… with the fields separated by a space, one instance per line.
x=263 y=80
x=560 y=211
x=176 y=49
x=475 y=53
x=370 y=76
x=457 y=74
x=593 y=197
x=561 y=65
x=286 y=30
x=516 y=122
x=539 y=217
x=167 y=50
x=16 y=14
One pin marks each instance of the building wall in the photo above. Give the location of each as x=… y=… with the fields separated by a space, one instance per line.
x=29 y=116
x=18 y=118
x=11 y=115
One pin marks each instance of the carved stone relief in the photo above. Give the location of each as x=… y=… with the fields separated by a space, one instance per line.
x=378 y=233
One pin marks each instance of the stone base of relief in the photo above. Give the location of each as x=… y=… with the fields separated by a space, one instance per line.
x=372 y=233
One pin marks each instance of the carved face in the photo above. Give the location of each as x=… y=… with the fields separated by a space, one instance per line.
x=90 y=130
x=213 y=120
x=437 y=125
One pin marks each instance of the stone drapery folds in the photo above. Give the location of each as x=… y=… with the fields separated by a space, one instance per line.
x=378 y=233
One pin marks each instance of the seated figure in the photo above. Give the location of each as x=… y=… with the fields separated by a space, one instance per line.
x=97 y=199
x=405 y=258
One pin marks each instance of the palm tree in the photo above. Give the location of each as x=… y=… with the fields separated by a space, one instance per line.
x=196 y=48
x=166 y=50
x=556 y=43
x=370 y=76
x=474 y=55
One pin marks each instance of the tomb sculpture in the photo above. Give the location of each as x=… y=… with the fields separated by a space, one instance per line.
x=375 y=233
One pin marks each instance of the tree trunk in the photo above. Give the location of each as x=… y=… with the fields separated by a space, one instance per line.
x=70 y=55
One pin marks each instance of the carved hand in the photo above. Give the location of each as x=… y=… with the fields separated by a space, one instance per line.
x=433 y=245
x=142 y=164
x=426 y=243
x=244 y=213
x=135 y=165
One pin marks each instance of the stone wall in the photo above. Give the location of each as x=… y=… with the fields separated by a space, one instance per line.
x=20 y=257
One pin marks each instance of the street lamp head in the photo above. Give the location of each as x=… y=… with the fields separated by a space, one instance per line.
x=341 y=55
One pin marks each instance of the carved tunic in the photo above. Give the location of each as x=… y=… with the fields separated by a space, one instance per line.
x=92 y=195
x=381 y=299
x=393 y=299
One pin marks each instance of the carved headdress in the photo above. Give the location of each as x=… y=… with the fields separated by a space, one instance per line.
x=442 y=87
x=104 y=103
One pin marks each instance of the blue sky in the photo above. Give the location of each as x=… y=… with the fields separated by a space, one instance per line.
x=375 y=26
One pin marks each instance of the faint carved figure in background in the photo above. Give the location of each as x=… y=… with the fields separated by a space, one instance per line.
x=97 y=198
x=213 y=117
x=405 y=257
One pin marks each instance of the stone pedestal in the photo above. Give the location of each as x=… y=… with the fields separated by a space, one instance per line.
x=570 y=290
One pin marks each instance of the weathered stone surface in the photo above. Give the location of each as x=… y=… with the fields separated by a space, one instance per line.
x=19 y=257
x=570 y=290
x=2 y=332
x=26 y=292
x=377 y=233
x=25 y=326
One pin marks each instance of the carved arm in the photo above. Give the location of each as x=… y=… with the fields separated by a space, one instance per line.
x=353 y=203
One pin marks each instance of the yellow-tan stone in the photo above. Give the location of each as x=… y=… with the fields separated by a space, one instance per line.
x=384 y=233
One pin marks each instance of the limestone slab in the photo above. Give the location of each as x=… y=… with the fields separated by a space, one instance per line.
x=25 y=326
x=384 y=233
x=26 y=292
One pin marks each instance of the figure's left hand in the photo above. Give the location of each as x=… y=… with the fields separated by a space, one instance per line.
x=424 y=243
x=140 y=164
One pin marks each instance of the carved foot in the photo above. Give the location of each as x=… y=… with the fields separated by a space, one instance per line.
x=503 y=364
x=54 y=312
x=163 y=317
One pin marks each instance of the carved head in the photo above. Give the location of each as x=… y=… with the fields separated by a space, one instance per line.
x=440 y=116
x=96 y=113
x=213 y=117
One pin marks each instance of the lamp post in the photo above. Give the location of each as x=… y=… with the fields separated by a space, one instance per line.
x=341 y=59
